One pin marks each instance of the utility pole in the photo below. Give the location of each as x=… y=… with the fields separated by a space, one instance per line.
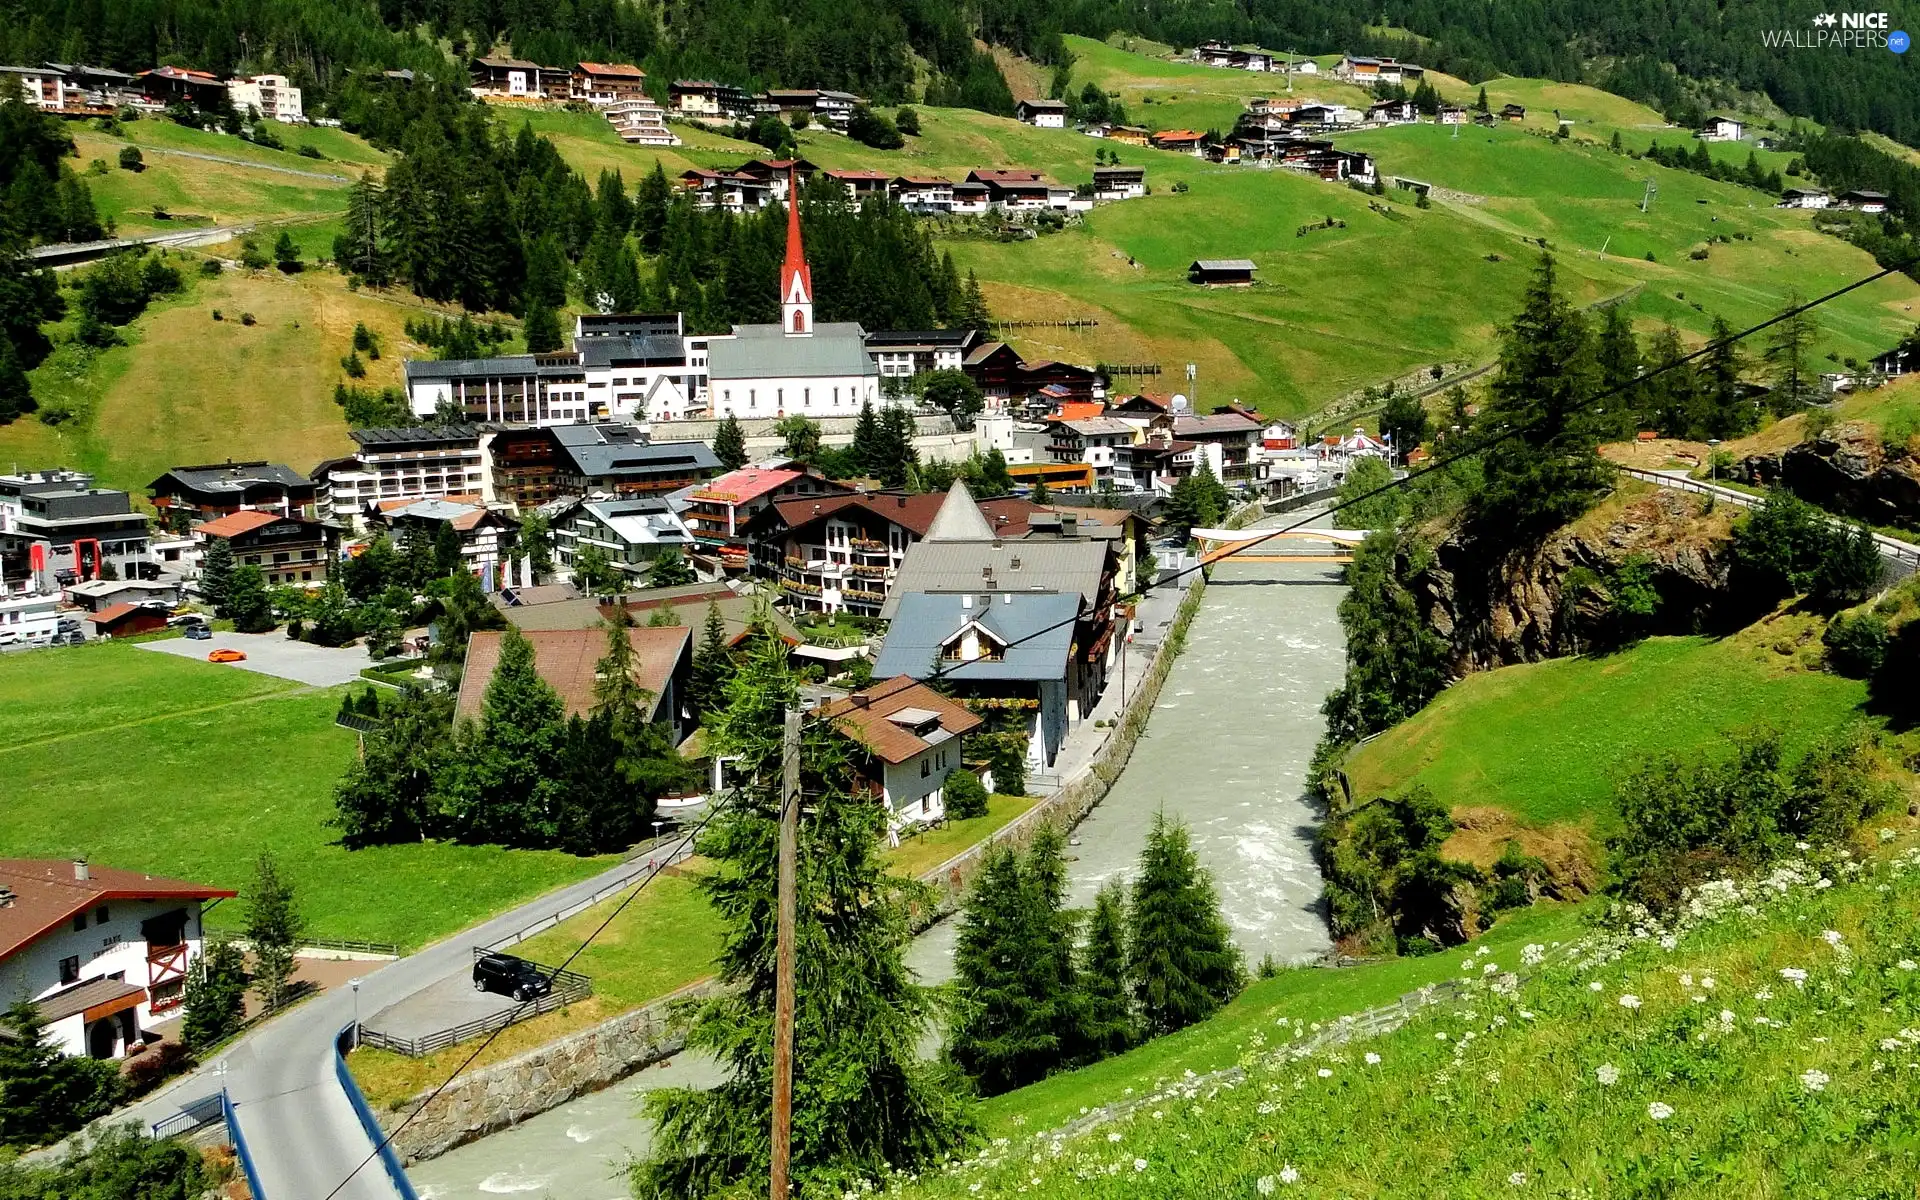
x=783 y=956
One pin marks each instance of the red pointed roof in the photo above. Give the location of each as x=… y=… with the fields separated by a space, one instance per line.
x=795 y=267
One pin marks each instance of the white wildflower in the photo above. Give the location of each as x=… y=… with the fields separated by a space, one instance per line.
x=1289 y=1175
x=1607 y=1074
x=1518 y=1179
x=1373 y=1060
x=1532 y=953
x=1832 y=937
x=1629 y=1000
x=1596 y=986
x=1325 y=1073
x=1139 y=1164
x=1490 y=969
x=1795 y=975
x=1813 y=1081
x=1441 y=1036
x=1707 y=983
x=1686 y=980
x=1764 y=994
x=1114 y=1136
x=1265 y=1185
x=1482 y=951
x=1906 y=964
x=1659 y=1111
x=1158 y=1115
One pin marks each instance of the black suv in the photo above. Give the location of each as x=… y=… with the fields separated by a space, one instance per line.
x=510 y=976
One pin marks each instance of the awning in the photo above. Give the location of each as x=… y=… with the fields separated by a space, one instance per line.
x=95 y=1000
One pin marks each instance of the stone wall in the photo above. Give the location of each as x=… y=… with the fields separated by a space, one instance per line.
x=497 y=1097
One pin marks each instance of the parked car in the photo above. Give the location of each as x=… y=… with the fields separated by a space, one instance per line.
x=68 y=637
x=506 y=975
x=199 y=633
x=227 y=656
x=189 y=618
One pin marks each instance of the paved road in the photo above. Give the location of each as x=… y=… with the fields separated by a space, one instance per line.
x=329 y=176
x=297 y=1120
x=275 y=654
x=65 y=253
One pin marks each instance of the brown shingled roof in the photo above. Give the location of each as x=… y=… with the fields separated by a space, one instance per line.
x=567 y=658
x=46 y=894
x=236 y=523
x=869 y=723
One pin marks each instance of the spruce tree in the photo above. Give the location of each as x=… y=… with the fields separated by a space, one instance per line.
x=1790 y=344
x=1002 y=1035
x=43 y=1092
x=895 y=451
x=448 y=557
x=502 y=782
x=669 y=569
x=730 y=444
x=864 y=1103
x=16 y=393
x=1618 y=355
x=274 y=929
x=216 y=995
x=1107 y=1023
x=650 y=204
x=1182 y=959
x=542 y=327
x=1548 y=472
x=866 y=451
x=973 y=312
x=216 y=575
x=1724 y=411
x=712 y=665
x=359 y=249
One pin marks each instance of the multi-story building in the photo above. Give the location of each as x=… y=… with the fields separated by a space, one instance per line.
x=912 y=739
x=602 y=84
x=168 y=85
x=103 y=953
x=625 y=367
x=640 y=121
x=289 y=550
x=914 y=351
x=46 y=88
x=531 y=467
x=632 y=533
x=67 y=529
x=485 y=535
x=705 y=98
x=417 y=462
x=1237 y=435
x=187 y=494
x=1093 y=441
x=718 y=513
x=27 y=617
x=272 y=96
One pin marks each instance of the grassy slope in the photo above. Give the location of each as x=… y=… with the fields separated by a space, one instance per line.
x=1767 y=1088
x=149 y=762
x=1547 y=741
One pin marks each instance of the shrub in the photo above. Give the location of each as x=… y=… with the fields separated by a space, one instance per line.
x=352 y=365
x=1856 y=645
x=246 y=318
x=966 y=796
x=217 y=315
x=131 y=159
x=211 y=268
x=907 y=121
x=312 y=152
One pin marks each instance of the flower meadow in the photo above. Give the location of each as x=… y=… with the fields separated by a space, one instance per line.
x=1763 y=1040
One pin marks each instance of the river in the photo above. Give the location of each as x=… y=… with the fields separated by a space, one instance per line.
x=1225 y=751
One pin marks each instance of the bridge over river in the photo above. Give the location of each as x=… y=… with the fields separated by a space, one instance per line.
x=1226 y=751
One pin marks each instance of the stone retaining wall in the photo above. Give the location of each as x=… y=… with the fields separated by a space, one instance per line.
x=500 y=1096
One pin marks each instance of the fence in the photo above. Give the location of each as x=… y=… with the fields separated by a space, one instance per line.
x=569 y=987
x=388 y=1159
x=193 y=1115
x=681 y=847
x=240 y=1149
x=1112 y=369
x=1902 y=558
x=1069 y=323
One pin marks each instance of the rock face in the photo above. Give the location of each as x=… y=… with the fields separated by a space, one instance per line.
x=1514 y=607
x=1846 y=471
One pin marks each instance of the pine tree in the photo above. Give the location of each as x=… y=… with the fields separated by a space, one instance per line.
x=448 y=558
x=1396 y=661
x=506 y=781
x=1107 y=1023
x=247 y=600
x=669 y=569
x=1789 y=347
x=866 y=452
x=1004 y=1035
x=274 y=929
x=16 y=393
x=1618 y=357
x=713 y=665
x=1040 y=494
x=864 y=1103
x=895 y=452
x=216 y=574
x=216 y=995
x=973 y=312
x=1182 y=959
x=43 y=1092
x=358 y=250
x=650 y=204
x=1671 y=397
x=1724 y=411
x=1480 y=101
x=1549 y=471
x=542 y=328
x=730 y=444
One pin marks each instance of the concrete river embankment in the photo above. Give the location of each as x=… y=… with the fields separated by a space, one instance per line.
x=1226 y=751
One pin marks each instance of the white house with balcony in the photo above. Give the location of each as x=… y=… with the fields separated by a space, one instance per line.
x=272 y=96
x=102 y=952
x=912 y=737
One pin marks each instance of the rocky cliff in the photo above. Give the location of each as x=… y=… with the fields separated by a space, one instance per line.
x=1846 y=470
x=1504 y=607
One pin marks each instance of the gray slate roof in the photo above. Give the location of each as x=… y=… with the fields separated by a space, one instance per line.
x=922 y=623
x=1223 y=264
x=236 y=477
x=602 y=450
x=766 y=352
x=1064 y=566
x=505 y=365
x=614 y=350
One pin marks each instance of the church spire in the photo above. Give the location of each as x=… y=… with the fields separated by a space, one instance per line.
x=796 y=282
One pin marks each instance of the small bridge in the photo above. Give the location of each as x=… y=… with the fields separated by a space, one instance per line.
x=1260 y=545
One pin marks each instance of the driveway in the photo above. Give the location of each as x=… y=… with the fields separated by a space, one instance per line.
x=445 y=1004
x=275 y=654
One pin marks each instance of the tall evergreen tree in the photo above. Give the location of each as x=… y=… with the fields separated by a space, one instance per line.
x=713 y=664
x=894 y=451
x=864 y=1103
x=866 y=451
x=390 y=791
x=16 y=393
x=43 y=1092
x=359 y=249
x=973 y=312
x=1007 y=1030
x=1396 y=661
x=1548 y=471
x=1790 y=347
x=650 y=208
x=274 y=930
x=1182 y=959
x=1723 y=408
x=542 y=328
x=730 y=444
x=216 y=574
x=216 y=995
x=503 y=781
x=1107 y=1023
x=1617 y=354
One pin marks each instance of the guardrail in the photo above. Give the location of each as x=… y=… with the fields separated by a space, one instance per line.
x=388 y=1158
x=681 y=848
x=1902 y=558
x=193 y=1115
x=569 y=987
x=240 y=1149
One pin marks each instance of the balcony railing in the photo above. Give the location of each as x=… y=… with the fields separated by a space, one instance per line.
x=867 y=545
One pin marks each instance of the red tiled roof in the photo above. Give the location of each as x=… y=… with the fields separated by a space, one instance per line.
x=112 y=613
x=46 y=895
x=567 y=659
x=1178 y=135
x=857 y=176
x=740 y=486
x=1075 y=410
x=236 y=523
x=871 y=726
x=627 y=69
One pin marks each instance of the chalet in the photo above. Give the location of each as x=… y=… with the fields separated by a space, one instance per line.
x=971 y=198
x=1072 y=382
x=925 y=194
x=1804 y=198
x=1452 y=114
x=834 y=109
x=1237 y=435
x=127 y=620
x=103 y=953
x=1864 y=201
x=1897 y=361
x=1043 y=114
x=568 y=659
x=1090 y=441
x=640 y=121
x=170 y=85
x=98 y=595
x=601 y=84
x=200 y=493
x=1129 y=135
x=289 y=550
x=862 y=184
x=1513 y=112
x=912 y=738
x=727 y=190
x=1216 y=54
x=1280 y=435
x=1314 y=114
x=705 y=98
x=777 y=173
x=631 y=532
x=717 y=512
x=1392 y=112
x=1180 y=141
x=514 y=77
x=1138 y=409
x=1361 y=70
x=1221 y=272
x=1119 y=183
x=994 y=368
x=1303 y=66
x=1722 y=129
x=1013 y=189
x=614 y=459
x=485 y=535
x=910 y=352
x=46 y=88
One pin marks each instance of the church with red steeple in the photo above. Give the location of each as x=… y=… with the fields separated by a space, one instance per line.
x=796 y=281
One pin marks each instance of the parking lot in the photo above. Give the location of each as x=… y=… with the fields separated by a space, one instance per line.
x=275 y=654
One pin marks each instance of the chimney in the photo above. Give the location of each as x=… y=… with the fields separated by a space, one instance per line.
x=1069 y=524
x=6 y=897
x=900 y=502
x=1015 y=564
x=80 y=871
x=966 y=600
x=861 y=700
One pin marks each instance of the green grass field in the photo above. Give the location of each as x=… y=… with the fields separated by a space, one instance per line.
x=149 y=762
x=1547 y=741
x=1765 y=1049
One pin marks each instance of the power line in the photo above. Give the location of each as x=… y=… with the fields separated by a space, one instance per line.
x=1445 y=461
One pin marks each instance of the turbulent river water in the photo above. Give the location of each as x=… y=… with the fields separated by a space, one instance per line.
x=1226 y=751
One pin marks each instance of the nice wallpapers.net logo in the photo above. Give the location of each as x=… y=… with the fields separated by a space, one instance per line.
x=1841 y=31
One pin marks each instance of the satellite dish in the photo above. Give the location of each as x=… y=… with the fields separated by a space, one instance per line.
x=1180 y=404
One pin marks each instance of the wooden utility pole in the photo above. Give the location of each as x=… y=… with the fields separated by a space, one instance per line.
x=783 y=956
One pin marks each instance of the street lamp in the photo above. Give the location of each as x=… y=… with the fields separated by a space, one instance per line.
x=353 y=985
x=1713 y=459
